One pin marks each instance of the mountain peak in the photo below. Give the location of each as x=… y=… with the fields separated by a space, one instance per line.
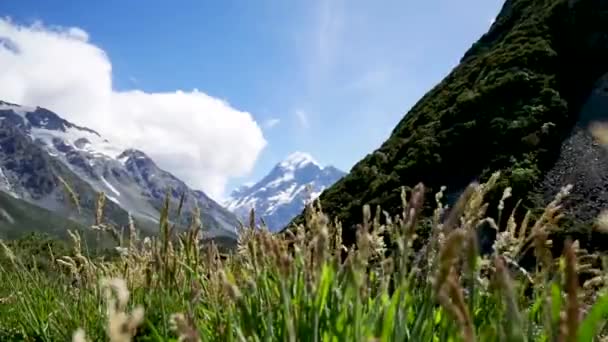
x=298 y=159
x=132 y=153
x=17 y=109
x=283 y=193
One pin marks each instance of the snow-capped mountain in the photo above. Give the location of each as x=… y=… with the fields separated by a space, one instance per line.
x=36 y=146
x=284 y=192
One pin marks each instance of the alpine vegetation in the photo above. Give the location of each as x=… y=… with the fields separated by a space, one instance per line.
x=413 y=278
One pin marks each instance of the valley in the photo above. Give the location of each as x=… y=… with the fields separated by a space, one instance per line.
x=482 y=215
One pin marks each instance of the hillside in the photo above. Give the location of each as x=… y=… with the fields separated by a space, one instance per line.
x=22 y=221
x=18 y=217
x=509 y=105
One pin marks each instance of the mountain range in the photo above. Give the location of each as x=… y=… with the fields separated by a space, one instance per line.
x=39 y=151
x=282 y=194
x=41 y=154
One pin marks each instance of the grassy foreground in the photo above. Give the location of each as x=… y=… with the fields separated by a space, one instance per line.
x=307 y=286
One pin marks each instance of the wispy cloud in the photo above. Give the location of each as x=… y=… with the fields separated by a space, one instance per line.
x=272 y=122
x=302 y=117
x=330 y=25
x=324 y=36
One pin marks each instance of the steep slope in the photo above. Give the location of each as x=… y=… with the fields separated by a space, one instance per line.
x=32 y=174
x=507 y=106
x=142 y=172
x=583 y=162
x=18 y=217
x=283 y=193
x=131 y=180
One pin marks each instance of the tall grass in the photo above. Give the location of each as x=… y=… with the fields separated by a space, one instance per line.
x=305 y=285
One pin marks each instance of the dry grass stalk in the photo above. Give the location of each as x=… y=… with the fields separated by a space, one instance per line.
x=184 y=327
x=505 y=284
x=448 y=256
x=569 y=326
x=599 y=131
x=451 y=298
x=121 y=326
x=71 y=194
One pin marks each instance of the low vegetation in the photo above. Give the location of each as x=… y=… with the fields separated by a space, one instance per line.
x=517 y=93
x=413 y=278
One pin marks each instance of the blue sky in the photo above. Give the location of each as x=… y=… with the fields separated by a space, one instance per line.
x=334 y=77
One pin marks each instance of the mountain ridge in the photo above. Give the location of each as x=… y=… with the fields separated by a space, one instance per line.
x=282 y=193
x=132 y=181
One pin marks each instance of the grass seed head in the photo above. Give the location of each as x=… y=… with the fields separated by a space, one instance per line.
x=79 y=336
x=184 y=328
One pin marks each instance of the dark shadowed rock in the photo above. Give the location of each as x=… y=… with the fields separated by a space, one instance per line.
x=583 y=161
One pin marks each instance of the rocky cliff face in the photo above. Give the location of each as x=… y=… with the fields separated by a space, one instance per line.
x=583 y=160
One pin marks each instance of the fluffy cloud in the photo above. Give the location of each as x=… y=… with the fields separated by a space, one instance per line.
x=200 y=139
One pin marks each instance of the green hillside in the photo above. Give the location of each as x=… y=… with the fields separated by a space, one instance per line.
x=507 y=106
x=18 y=218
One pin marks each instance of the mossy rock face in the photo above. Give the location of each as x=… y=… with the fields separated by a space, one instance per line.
x=508 y=106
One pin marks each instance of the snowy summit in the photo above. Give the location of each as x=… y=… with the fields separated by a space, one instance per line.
x=298 y=159
x=283 y=193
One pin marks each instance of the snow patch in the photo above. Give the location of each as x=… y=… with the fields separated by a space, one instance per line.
x=19 y=110
x=248 y=203
x=97 y=146
x=298 y=159
x=5 y=215
x=5 y=184
x=284 y=197
x=112 y=188
x=44 y=122
x=113 y=199
x=288 y=176
x=123 y=160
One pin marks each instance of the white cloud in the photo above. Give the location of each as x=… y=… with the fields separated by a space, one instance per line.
x=200 y=139
x=78 y=33
x=270 y=123
x=302 y=118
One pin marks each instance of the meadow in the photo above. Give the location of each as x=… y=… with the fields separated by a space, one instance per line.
x=407 y=278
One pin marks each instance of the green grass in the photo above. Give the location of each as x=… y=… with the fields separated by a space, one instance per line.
x=308 y=286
